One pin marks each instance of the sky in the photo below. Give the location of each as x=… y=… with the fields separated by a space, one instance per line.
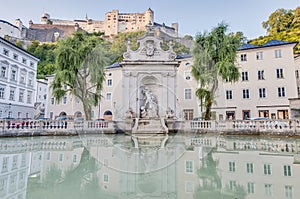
x=193 y=16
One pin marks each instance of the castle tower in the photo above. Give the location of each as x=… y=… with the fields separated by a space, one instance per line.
x=45 y=17
x=149 y=17
x=175 y=26
x=18 y=23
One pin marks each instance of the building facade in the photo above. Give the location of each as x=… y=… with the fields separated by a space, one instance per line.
x=17 y=81
x=168 y=78
x=8 y=29
x=267 y=82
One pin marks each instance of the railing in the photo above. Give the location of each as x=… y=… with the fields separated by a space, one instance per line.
x=44 y=126
x=289 y=127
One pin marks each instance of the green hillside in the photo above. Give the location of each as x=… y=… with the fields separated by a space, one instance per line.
x=282 y=25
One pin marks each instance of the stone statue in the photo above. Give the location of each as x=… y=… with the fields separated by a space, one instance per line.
x=169 y=113
x=150 y=104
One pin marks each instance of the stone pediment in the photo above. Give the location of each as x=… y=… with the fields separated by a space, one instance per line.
x=149 y=49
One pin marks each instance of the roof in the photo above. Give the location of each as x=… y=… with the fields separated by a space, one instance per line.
x=268 y=44
x=163 y=25
x=14 y=45
x=184 y=56
x=8 y=23
x=114 y=65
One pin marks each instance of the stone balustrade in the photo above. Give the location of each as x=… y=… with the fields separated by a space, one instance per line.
x=51 y=127
x=275 y=127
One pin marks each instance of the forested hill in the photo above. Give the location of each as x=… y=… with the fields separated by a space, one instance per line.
x=282 y=25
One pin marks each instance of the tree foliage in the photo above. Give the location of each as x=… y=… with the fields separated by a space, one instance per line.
x=80 y=66
x=282 y=25
x=214 y=57
x=119 y=44
x=46 y=53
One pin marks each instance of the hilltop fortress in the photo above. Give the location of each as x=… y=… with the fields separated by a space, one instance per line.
x=51 y=29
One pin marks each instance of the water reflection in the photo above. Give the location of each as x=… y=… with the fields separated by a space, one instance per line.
x=202 y=166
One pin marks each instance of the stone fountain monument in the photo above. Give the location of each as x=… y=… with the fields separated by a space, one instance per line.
x=149 y=85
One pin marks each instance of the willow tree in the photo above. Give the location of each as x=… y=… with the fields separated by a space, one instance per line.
x=80 y=69
x=214 y=56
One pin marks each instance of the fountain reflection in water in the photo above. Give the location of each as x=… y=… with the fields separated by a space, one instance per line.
x=189 y=166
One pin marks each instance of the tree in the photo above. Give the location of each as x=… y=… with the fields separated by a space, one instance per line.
x=80 y=66
x=46 y=53
x=214 y=57
x=282 y=25
x=279 y=21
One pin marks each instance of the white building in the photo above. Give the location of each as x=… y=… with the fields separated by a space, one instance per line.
x=266 y=84
x=17 y=81
x=8 y=29
x=167 y=77
x=41 y=98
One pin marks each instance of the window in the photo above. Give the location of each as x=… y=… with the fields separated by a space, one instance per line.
x=14 y=162
x=12 y=94
x=267 y=169
x=187 y=64
x=189 y=166
x=31 y=64
x=262 y=92
x=30 y=79
x=109 y=82
x=245 y=93
x=3 y=71
x=297 y=74
x=232 y=185
x=187 y=93
x=23 y=160
x=16 y=57
x=24 y=61
x=243 y=57
x=2 y=92
x=268 y=190
x=188 y=114
x=298 y=88
x=187 y=75
x=229 y=94
x=259 y=55
x=105 y=177
x=29 y=97
x=189 y=187
x=65 y=100
x=250 y=167
x=250 y=187
x=5 y=164
x=279 y=73
x=281 y=91
x=231 y=166
x=21 y=95
x=277 y=53
x=74 y=158
x=287 y=170
x=108 y=96
x=51 y=115
x=244 y=76
x=52 y=101
x=288 y=191
x=260 y=75
x=13 y=75
x=48 y=157
x=5 y=52
x=60 y=157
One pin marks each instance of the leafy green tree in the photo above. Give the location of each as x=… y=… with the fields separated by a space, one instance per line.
x=46 y=53
x=279 y=21
x=282 y=25
x=119 y=44
x=80 y=66
x=214 y=57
